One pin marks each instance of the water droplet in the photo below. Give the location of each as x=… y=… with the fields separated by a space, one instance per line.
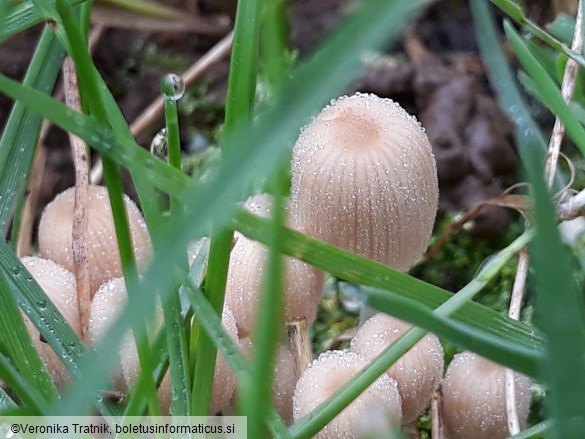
x=42 y=304
x=172 y=87
x=351 y=296
x=160 y=146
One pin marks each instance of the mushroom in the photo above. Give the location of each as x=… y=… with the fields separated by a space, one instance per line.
x=364 y=179
x=416 y=372
x=55 y=234
x=379 y=404
x=285 y=379
x=59 y=285
x=302 y=283
x=474 y=401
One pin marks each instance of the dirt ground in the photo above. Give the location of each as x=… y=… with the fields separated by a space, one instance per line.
x=433 y=70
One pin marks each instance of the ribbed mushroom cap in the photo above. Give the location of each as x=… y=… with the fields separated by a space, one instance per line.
x=417 y=372
x=364 y=179
x=474 y=398
x=55 y=234
x=59 y=285
x=285 y=379
x=302 y=283
x=326 y=375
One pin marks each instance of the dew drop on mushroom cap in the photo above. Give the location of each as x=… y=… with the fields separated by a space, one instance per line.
x=416 y=372
x=474 y=398
x=326 y=375
x=60 y=286
x=364 y=179
x=56 y=226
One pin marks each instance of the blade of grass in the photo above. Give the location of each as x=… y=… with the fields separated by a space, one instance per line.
x=313 y=85
x=356 y=269
x=17 y=344
x=560 y=313
x=6 y=402
x=239 y=102
x=502 y=80
x=546 y=87
x=19 y=137
x=176 y=335
x=535 y=432
x=26 y=390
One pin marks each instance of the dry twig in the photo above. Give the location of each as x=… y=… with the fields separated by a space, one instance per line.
x=300 y=343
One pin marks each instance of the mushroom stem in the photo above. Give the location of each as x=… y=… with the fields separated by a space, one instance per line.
x=300 y=343
x=80 y=220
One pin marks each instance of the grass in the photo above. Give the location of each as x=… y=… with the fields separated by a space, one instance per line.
x=255 y=151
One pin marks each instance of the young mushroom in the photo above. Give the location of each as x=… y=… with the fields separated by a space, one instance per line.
x=474 y=401
x=285 y=379
x=416 y=372
x=59 y=285
x=55 y=234
x=302 y=283
x=364 y=179
x=379 y=404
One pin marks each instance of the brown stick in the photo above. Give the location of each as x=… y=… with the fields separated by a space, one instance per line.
x=437 y=431
x=80 y=220
x=298 y=335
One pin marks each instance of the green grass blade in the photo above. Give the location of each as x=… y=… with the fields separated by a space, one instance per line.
x=560 y=313
x=314 y=84
x=537 y=431
x=18 y=17
x=26 y=390
x=17 y=345
x=546 y=87
x=101 y=137
x=502 y=80
x=359 y=270
x=6 y=402
x=19 y=138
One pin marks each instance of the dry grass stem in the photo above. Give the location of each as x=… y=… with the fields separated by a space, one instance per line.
x=300 y=343
x=80 y=220
x=156 y=108
x=437 y=430
x=573 y=208
x=514 y=313
x=568 y=86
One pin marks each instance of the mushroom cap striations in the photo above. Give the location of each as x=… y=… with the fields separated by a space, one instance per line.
x=416 y=372
x=474 y=398
x=364 y=179
x=326 y=375
x=302 y=282
x=56 y=226
x=60 y=286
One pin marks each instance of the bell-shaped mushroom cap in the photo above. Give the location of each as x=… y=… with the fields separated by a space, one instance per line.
x=106 y=305
x=417 y=372
x=474 y=398
x=59 y=285
x=55 y=234
x=285 y=379
x=326 y=375
x=364 y=179
x=302 y=283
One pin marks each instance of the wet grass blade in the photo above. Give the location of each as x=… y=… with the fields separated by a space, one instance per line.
x=546 y=88
x=17 y=345
x=26 y=390
x=6 y=402
x=19 y=137
x=359 y=270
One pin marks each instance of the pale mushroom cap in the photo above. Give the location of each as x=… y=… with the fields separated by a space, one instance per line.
x=474 y=398
x=302 y=282
x=106 y=305
x=326 y=375
x=285 y=379
x=55 y=234
x=417 y=372
x=59 y=285
x=364 y=179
